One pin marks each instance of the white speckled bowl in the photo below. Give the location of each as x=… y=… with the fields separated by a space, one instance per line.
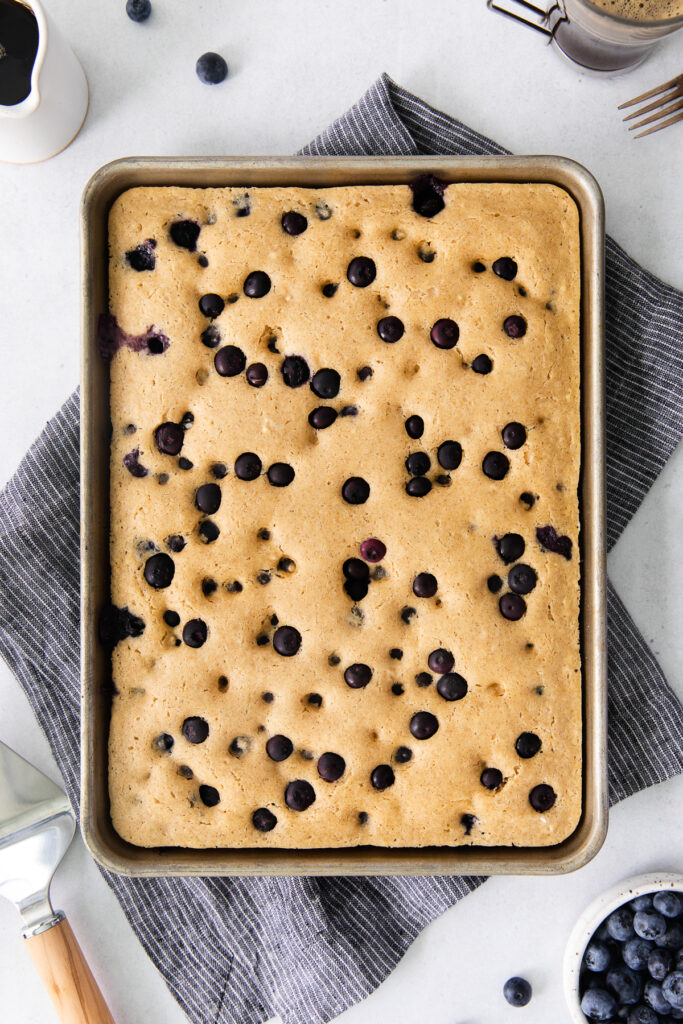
x=591 y=919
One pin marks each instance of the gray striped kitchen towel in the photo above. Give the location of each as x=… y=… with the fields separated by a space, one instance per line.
x=244 y=950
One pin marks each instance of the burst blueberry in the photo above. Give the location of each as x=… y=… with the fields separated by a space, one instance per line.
x=184 y=233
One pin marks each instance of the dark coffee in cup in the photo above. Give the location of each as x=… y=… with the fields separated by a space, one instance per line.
x=18 y=48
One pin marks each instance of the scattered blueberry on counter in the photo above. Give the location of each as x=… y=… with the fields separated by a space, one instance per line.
x=517 y=991
x=138 y=10
x=211 y=67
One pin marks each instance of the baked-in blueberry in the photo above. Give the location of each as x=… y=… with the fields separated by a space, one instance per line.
x=208 y=531
x=522 y=579
x=445 y=333
x=331 y=766
x=504 y=267
x=495 y=465
x=175 y=542
x=418 y=487
x=295 y=371
x=542 y=797
x=357 y=675
x=211 y=68
x=207 y=498
x=209 y=586
x=356 y=589
x=171 y=618
x=293 y=223
x=510 y=547
x=256 y=284
x=441 y=660
x=396 y=654
x=211 y=336
x=355 y=569
x=195 y=729
x=287 y=641
x=159 y=571
x=482 y=364
x=425 y=585
x=138 y=10
x=514 y=326
x=280 y=474
x=218 y=470
x=361 y=271
x=494 y=583
x=355 y=490
x=349 y=410
x=402 y=755
x=131 y=461
x=326 y=383
x=527 y=744
x=229 y=361
x=211 y=305
x=314 y=700
x=390 y=329
x=443 y=480
x=203 y=260
x=449 y=454
x=648 y=924
x=142 y=257
x=263 y=820
x=185 y=234
x=418 y=463
x=184 y=463
x=424 y=679
x=364 y=373
x=514 y=435
x=598 y=1005
x=382 y=776
x=279 y=748
x=528 y=499
x=549 y=539
x=247 y=466
x=451 y=686
x=322 y=417
x=407 y=613
x=428 y=195
x=286 y=564
x=512 y=607
x=209 y=796
x=164 y=743
x=423 y=725
x=491 y=778
x=299 y=795
x=415 y=427
x=373 y=550
x=667 y=902
x=329 y=290
x=195 y=633
x=257 y=374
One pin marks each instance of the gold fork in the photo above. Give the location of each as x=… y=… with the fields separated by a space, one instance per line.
x=673 y=91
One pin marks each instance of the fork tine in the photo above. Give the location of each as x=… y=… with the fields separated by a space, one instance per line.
x=655 y=104
x=658 y=127
x=653 y=92
x=657 y=117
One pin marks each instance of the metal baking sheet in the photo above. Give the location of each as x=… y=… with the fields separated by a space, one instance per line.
x=103 y=842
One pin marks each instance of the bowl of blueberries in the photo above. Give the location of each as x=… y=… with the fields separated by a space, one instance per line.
x=624 y=959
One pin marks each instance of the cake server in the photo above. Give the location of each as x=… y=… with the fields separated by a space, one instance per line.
x=36 y=827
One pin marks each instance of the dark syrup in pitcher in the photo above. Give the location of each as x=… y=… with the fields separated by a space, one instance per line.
x=18 y=47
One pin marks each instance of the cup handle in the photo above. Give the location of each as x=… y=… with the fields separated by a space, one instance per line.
x=540 y=12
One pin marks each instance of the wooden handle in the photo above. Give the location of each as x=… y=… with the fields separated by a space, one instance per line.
x=67 y=977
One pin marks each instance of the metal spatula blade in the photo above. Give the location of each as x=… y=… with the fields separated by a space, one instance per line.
x=36 y=827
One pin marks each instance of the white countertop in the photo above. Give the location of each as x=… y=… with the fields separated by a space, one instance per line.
x=295 y=65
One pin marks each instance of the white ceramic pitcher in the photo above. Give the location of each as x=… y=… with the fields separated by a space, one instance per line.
x=52 y=114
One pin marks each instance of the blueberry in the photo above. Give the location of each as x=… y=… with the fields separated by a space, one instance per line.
x=164 y=743
x=597 y=956
x=512 y=607
x=542 y=798
x=425 y=585
x=644 y=902
x=373 y=550
x=549 y=539
x=293 y=223
x=355 y=569
x=659 y=963
x=402 y=755
x=280 y=474
x=211 y=336
x=396 y=654
x=482 y=364
x=648 y=924
x=361 y=271
x=185 y=234
x=449 y=454
x=522 y=579
x=390 y=329
x=299 y=795
x=142 y=256
x=364 y=373
x=418 y=487
x=382 y=776
x=428 y=195
x=445 y=333
x=452 y=686
x=495 y=465
x=514 y=326
x=672 y=937
x=423 y=725
x=355 y=490
x=287 y=641
x=504 y=267
x=209 y=796
x=494 y=583
x=625 y=984
x=279 y=747
x=510 y=547
x=349 y=410
x=620 y=925
x=209 y=586
x=514 y=435
x=331 y=766
x=441 y=660
x=138 y=10
x=295 y=371
x=329 y=290
x=415 y=427
x=207 y=498
x=672 y=988
x=257 y=374
x=171 y=618
x=642 y=1015
x=407 y=613
x=175 y=543
x=247 y=466
x=256 y=284
x=326 y=383
x=491 y=778
x=654 y=996
x=211 y=305
x=184 y=463
x=195 y=633
x=263 y=820
x=195 y=729
x=211 y=68
x=322 y=417
x=598 y=1005
x=517 y=991
x=314 y=700
x=357 y=676
x=131 y=461
x=203 y=260
x=668 y=903
x=527 y=744
x=418 y=464
x=528 y=499
x=478 y=267
x=159 y=571
x=636 y=953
